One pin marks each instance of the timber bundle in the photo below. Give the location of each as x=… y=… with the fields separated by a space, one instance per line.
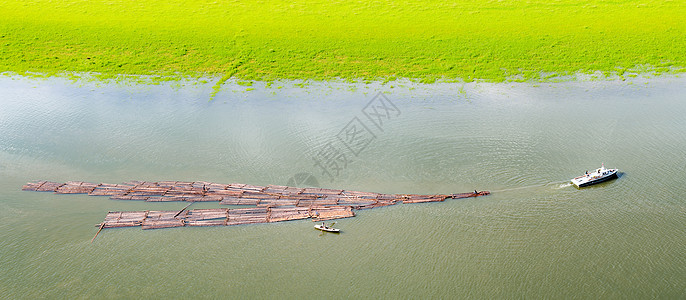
x=273 y=203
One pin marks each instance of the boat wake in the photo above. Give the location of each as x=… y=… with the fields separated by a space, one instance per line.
x=564 y=185
x=518 y=188
x=556 y=185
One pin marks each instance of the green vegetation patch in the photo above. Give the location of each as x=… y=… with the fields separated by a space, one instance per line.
x=350 y=40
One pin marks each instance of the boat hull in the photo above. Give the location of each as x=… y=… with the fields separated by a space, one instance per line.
x=327 y=229
x=599 y=180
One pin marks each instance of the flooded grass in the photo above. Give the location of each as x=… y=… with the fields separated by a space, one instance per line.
x=383 y=40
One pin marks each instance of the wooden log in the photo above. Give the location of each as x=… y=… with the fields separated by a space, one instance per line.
x=32 y=186
x=257 y=195
x=424 y=199
x=201 y=184
x=245 y=220
x=247 y=216
x=230 y=201
x=211 y=198
x=160 y=214
x=183 y=187
x=49 y=186
x=248 y=211
x=383 y=197
x=330 y=191
x=166 y=183
x=356 y=194
x=149 y=191
x=104 y=192
x=321 y=192
x=277 y=202
x=306 y=202
x=66 y=189
x=331 y=212
x=356 y=201
x=132 y=215
x=180 y=183
x=207 y=213
x=207 y=217
x=108 y=185
x=186 y=192
x=102 y=225
x=222 y=193
x=311 y=191
x=249 y=187
x=129 y=197
x=119 y=216
x=124 y=219
x=159 y=224
x=293 y=190
x=300 y=197
x=161 y=219
x=319 y=201
x=283 y=190
x=162 y=199
x=277 y=187
x=467 y=195
x=215 y=222
x=244 y=201
x=178 y=213
x=156 y=190
x=278 y=214
x=217 y=186
x=105 y=189
x=122 y=224
x=134 y=182
x=376 y=204
x=140 y=196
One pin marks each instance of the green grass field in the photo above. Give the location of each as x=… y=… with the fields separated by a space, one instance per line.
x=349 y=40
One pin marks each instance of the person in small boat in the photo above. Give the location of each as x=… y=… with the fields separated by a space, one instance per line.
x=476 y=192
x=323 y=226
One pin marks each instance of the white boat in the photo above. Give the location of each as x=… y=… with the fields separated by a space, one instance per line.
x=596 y=176
x=323 y=227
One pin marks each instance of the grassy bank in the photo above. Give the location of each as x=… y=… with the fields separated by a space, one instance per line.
x=380 y=40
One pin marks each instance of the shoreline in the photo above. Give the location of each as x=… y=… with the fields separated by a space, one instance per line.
x=218 y=80
x=214 y=82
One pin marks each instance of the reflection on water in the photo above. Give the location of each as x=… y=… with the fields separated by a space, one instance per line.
x=535 y=236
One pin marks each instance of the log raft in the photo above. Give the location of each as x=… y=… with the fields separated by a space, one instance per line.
x=273 y=203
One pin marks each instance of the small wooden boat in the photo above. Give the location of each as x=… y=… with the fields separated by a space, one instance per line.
x=323 y=227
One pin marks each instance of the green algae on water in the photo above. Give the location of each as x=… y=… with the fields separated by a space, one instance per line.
x=425 y=41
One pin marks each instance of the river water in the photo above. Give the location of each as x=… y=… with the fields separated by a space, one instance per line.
x=534 y=237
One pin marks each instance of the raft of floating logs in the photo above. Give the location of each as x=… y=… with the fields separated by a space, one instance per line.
x=273 y=203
